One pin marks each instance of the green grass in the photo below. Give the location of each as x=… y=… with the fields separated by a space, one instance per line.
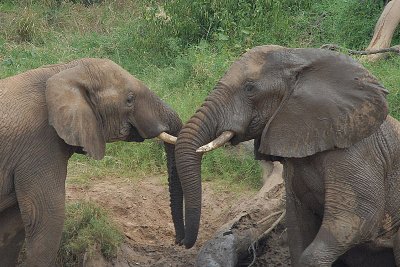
x=387 y=73
x=232 y=166
x=87 y=228
x=126 y=160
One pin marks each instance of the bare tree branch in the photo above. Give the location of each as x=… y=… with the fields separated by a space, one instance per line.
x=334 y=47
x=252 y=246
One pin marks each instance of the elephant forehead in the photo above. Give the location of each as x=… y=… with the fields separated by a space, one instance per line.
x=243 y=70
x=253 y=68
x=250 y=65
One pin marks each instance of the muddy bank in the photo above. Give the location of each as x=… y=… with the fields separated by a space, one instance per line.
x=141 y=210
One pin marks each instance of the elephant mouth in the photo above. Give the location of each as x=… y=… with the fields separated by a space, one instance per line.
x=252 y=132
x=134 y=135
x=235 y=140
x=228 y=136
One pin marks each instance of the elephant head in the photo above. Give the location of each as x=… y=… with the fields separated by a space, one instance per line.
x=94 y=101
x=293 y=102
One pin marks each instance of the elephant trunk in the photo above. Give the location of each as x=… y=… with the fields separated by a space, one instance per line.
x=175 y=193
x=198 y=131
x=170 y=118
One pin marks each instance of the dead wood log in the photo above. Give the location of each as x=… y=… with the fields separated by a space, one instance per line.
x=384 y=29
x=255 y=218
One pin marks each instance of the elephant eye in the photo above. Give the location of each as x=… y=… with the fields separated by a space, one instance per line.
x=249 y=88
x=129 y=100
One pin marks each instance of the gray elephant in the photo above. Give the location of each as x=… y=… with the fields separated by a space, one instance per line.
x=46 y=115
x=325 y=118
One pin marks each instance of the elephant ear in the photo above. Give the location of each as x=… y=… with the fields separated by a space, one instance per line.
x=334 y=103
x=71 y=112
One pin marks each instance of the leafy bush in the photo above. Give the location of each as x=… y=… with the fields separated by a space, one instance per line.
x=243 y=24
x=239 y=23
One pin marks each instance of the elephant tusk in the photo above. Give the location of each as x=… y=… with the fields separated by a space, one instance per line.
x=216 y=143
x=167 y=138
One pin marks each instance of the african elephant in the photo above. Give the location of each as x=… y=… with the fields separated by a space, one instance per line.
x=325 y=118
x=46 y=115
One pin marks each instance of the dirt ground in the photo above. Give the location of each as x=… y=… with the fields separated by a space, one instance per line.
x=141 y=210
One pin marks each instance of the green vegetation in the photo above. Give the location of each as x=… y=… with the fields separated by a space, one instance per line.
x=87 y=228
x=387 y=72
x=180 y=49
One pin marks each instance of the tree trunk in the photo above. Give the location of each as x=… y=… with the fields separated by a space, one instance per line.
x=255 y=218
x=385 y=28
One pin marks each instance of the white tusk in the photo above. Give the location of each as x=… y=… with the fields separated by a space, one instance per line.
x=167 y=138
x=216 y=143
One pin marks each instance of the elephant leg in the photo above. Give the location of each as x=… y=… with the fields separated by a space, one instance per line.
x=12 y=236
x=352 y=213
x=329 y=243
x=302 y=224
x=41 y=197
